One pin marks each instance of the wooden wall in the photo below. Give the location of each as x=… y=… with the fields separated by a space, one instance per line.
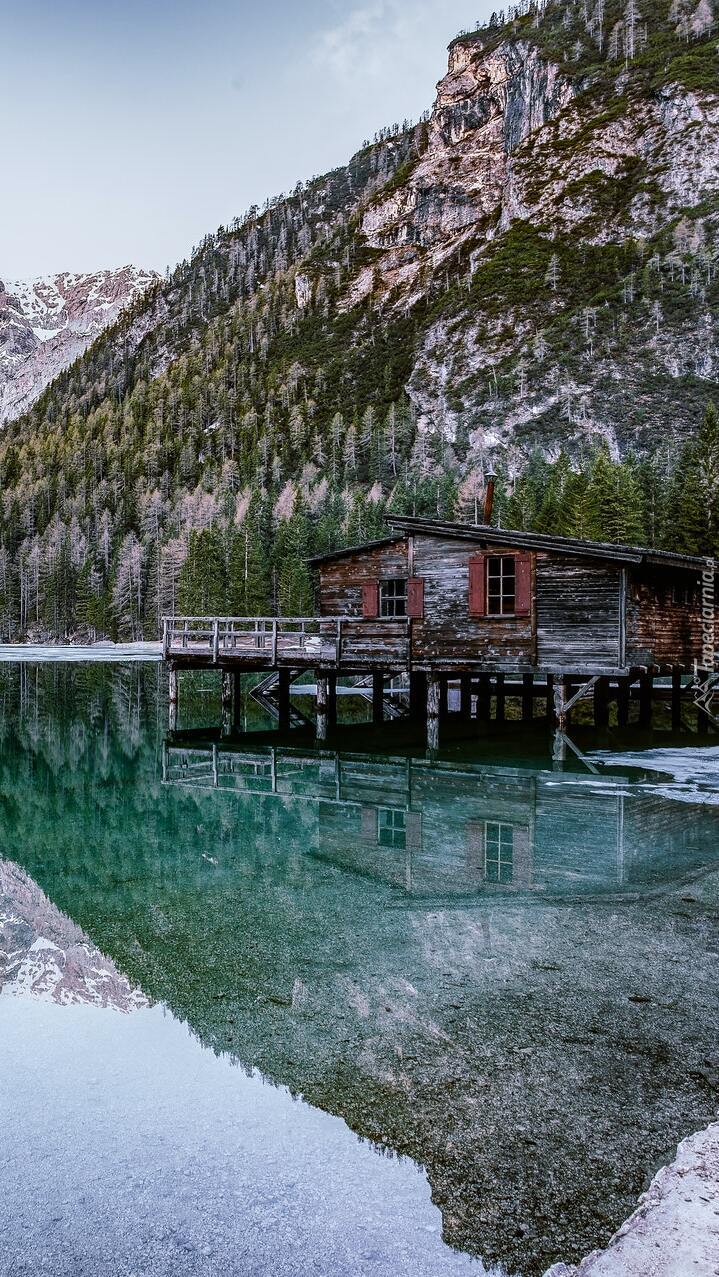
x=578 y=614
x=660 y=631
x=448 y=634
x=341 y=580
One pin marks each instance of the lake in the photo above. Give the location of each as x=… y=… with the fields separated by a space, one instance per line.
x=270 y=1009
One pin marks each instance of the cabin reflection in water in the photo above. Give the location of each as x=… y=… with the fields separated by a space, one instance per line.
x=440 y=829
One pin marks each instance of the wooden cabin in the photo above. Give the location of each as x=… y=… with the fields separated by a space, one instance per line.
x=435 y=601
x=480 y=598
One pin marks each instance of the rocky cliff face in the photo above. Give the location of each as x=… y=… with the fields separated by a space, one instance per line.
x=47 y=323
x=598 y=183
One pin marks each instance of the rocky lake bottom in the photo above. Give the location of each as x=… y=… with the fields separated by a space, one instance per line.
x=266 y=1008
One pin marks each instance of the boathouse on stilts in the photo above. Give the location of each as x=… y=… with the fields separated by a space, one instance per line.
x=486 y=612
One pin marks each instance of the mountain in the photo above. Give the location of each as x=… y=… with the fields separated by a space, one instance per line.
x=46 y=323
x=44 y=955
x=526 y=277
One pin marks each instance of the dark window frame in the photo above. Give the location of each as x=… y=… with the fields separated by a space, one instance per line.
x=392 y=828
x=393 y=598
x=499 y=839
x=500 y=599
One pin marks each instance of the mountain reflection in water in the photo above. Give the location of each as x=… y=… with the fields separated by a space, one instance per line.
x=506 y=974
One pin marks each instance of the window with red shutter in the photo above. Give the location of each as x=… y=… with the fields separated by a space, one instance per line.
x=415 y=598
x=477 y=585
x=523 y=600
x=370 y=599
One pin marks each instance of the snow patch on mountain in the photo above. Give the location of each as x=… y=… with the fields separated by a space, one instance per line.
x=47 y=322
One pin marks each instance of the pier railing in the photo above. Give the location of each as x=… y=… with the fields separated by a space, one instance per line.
x=300 y=641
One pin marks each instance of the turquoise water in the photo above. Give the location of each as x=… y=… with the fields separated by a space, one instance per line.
x=279 y=1010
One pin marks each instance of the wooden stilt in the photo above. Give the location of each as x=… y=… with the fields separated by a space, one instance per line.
x=676 y=701
x=226 y=702
x=237 y=700
x=377 y=698
x=322 y=699
x=501 y=698
x=527 y=698
x=284 y=700
x=559 y=747
x=173 y=692
x=434 y=697
x=646 y=687
x=560 y=700
x=601 y=702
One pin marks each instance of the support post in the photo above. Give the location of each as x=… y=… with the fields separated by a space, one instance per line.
x=227 y=689
x=434 y=698
x=377 y=698
x=676 y=701
x=501 y=698
x=237 y=700
x=560 y=712
x=559 y=745
x=284 y=700
x=601 y=702
x=646 y=687
x=173 y=690
x=322 y=699
x=527 y=698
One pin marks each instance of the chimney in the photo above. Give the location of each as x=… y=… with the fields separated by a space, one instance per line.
x=489 y=496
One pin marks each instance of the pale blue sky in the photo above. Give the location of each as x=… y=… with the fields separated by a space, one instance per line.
x=131 y=128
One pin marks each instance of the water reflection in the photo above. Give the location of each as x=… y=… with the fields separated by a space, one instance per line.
x=506 y=974
x=456 y=829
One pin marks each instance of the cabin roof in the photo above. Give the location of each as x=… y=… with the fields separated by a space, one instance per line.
x=483 y=535
x=351 y=550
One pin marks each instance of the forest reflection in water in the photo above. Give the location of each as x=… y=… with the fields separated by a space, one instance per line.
x=505 y=974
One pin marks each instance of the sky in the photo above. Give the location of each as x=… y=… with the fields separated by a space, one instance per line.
x=131 y=128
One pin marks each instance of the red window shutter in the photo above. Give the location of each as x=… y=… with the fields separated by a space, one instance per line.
x=370 y=598
x=477 y=585
x=415 y=598
x=523 y=598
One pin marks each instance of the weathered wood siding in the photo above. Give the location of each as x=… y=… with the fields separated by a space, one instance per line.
x=448 y=635
x=585 y=616
x=578 y=614
x=661 y=632
x=341 y=581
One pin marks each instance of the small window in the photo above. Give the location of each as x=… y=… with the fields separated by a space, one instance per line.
x=498 y=852
x=393 y=598
x=501 y=585
x=391 y=828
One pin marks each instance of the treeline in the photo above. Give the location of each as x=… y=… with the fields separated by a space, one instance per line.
x=242 y=551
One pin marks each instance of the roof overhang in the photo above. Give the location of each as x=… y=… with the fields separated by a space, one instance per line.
x=486 y=536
